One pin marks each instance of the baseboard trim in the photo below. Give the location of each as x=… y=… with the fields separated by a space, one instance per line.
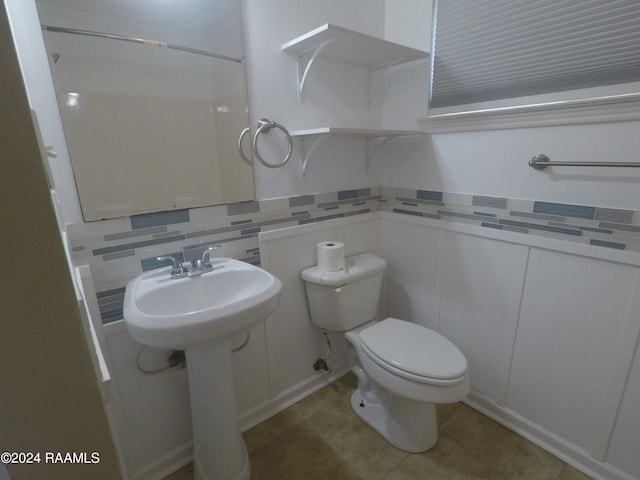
x=183 y=455
x=573 y=455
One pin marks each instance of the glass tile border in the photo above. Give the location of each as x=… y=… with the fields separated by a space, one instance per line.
x=126 y=247
x=592 y=225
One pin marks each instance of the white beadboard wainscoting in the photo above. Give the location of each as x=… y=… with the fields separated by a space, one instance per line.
x=550 y=329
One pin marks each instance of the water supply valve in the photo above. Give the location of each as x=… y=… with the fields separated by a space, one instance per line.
x=321 y=364
x=178 y=359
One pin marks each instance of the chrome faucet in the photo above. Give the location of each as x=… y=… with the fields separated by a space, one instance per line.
x=177 y=270
x=205 y=260
x=203 y=264
x=192 y=268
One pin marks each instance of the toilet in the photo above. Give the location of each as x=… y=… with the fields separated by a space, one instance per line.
x=403 y=369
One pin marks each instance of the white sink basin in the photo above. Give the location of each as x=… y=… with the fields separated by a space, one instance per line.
x=199 y=314
x=175 y=313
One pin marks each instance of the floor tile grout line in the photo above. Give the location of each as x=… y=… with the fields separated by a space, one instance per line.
x=342 y=460
x=300 y=421
x=451 y=414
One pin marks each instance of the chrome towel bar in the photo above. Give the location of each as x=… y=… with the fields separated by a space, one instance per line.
x=541 y=161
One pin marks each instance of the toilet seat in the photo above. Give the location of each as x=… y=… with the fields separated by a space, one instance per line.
x=414 y=352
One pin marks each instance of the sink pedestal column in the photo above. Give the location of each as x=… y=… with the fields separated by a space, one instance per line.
x=219 y=452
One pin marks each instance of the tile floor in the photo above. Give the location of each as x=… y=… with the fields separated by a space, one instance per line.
x=320 y=438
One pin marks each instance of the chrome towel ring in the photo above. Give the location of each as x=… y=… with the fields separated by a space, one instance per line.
x=240 y=151
x=264 y=126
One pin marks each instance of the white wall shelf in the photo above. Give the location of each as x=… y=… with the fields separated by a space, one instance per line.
x=346 y=46
x=374 y=138
x=354 y=48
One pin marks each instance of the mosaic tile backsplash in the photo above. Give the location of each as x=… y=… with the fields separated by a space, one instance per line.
x=119 y=249
x=603 y=227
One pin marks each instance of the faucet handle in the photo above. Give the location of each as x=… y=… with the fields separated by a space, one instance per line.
x=176 y=266
x=205 y=259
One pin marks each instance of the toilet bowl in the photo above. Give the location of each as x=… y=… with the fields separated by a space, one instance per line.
x=401 y=385
x=403 y=369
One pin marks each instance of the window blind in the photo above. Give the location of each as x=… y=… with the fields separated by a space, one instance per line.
x=485 y=50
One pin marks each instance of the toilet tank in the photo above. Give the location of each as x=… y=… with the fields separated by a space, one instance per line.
x=347 y=298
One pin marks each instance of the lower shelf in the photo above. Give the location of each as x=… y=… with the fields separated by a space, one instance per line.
x=375 y=139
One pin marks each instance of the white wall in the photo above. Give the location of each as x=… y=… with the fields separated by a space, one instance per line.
x=495 y=162
x=624 y=441
x=485 y=163
x=408 y=22
x=335 y=94
x=549 y=330
x=293 y=342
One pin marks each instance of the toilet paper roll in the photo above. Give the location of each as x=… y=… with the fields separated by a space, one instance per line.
x=330 y=256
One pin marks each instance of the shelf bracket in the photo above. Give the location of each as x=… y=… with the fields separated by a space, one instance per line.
x=303 y=69
x=305 y=154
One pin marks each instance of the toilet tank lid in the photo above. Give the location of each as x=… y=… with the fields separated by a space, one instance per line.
x=355 y=267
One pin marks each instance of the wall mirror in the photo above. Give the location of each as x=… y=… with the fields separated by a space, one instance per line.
x=153 y=98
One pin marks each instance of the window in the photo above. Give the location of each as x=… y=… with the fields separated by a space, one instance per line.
x=509 y=55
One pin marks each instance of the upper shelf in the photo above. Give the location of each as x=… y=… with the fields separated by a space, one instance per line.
x=344 y=45
x=352 y=47
x=354 y=132
x=319 y=134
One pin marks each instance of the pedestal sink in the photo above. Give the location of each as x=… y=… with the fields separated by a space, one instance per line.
x=199 y=315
